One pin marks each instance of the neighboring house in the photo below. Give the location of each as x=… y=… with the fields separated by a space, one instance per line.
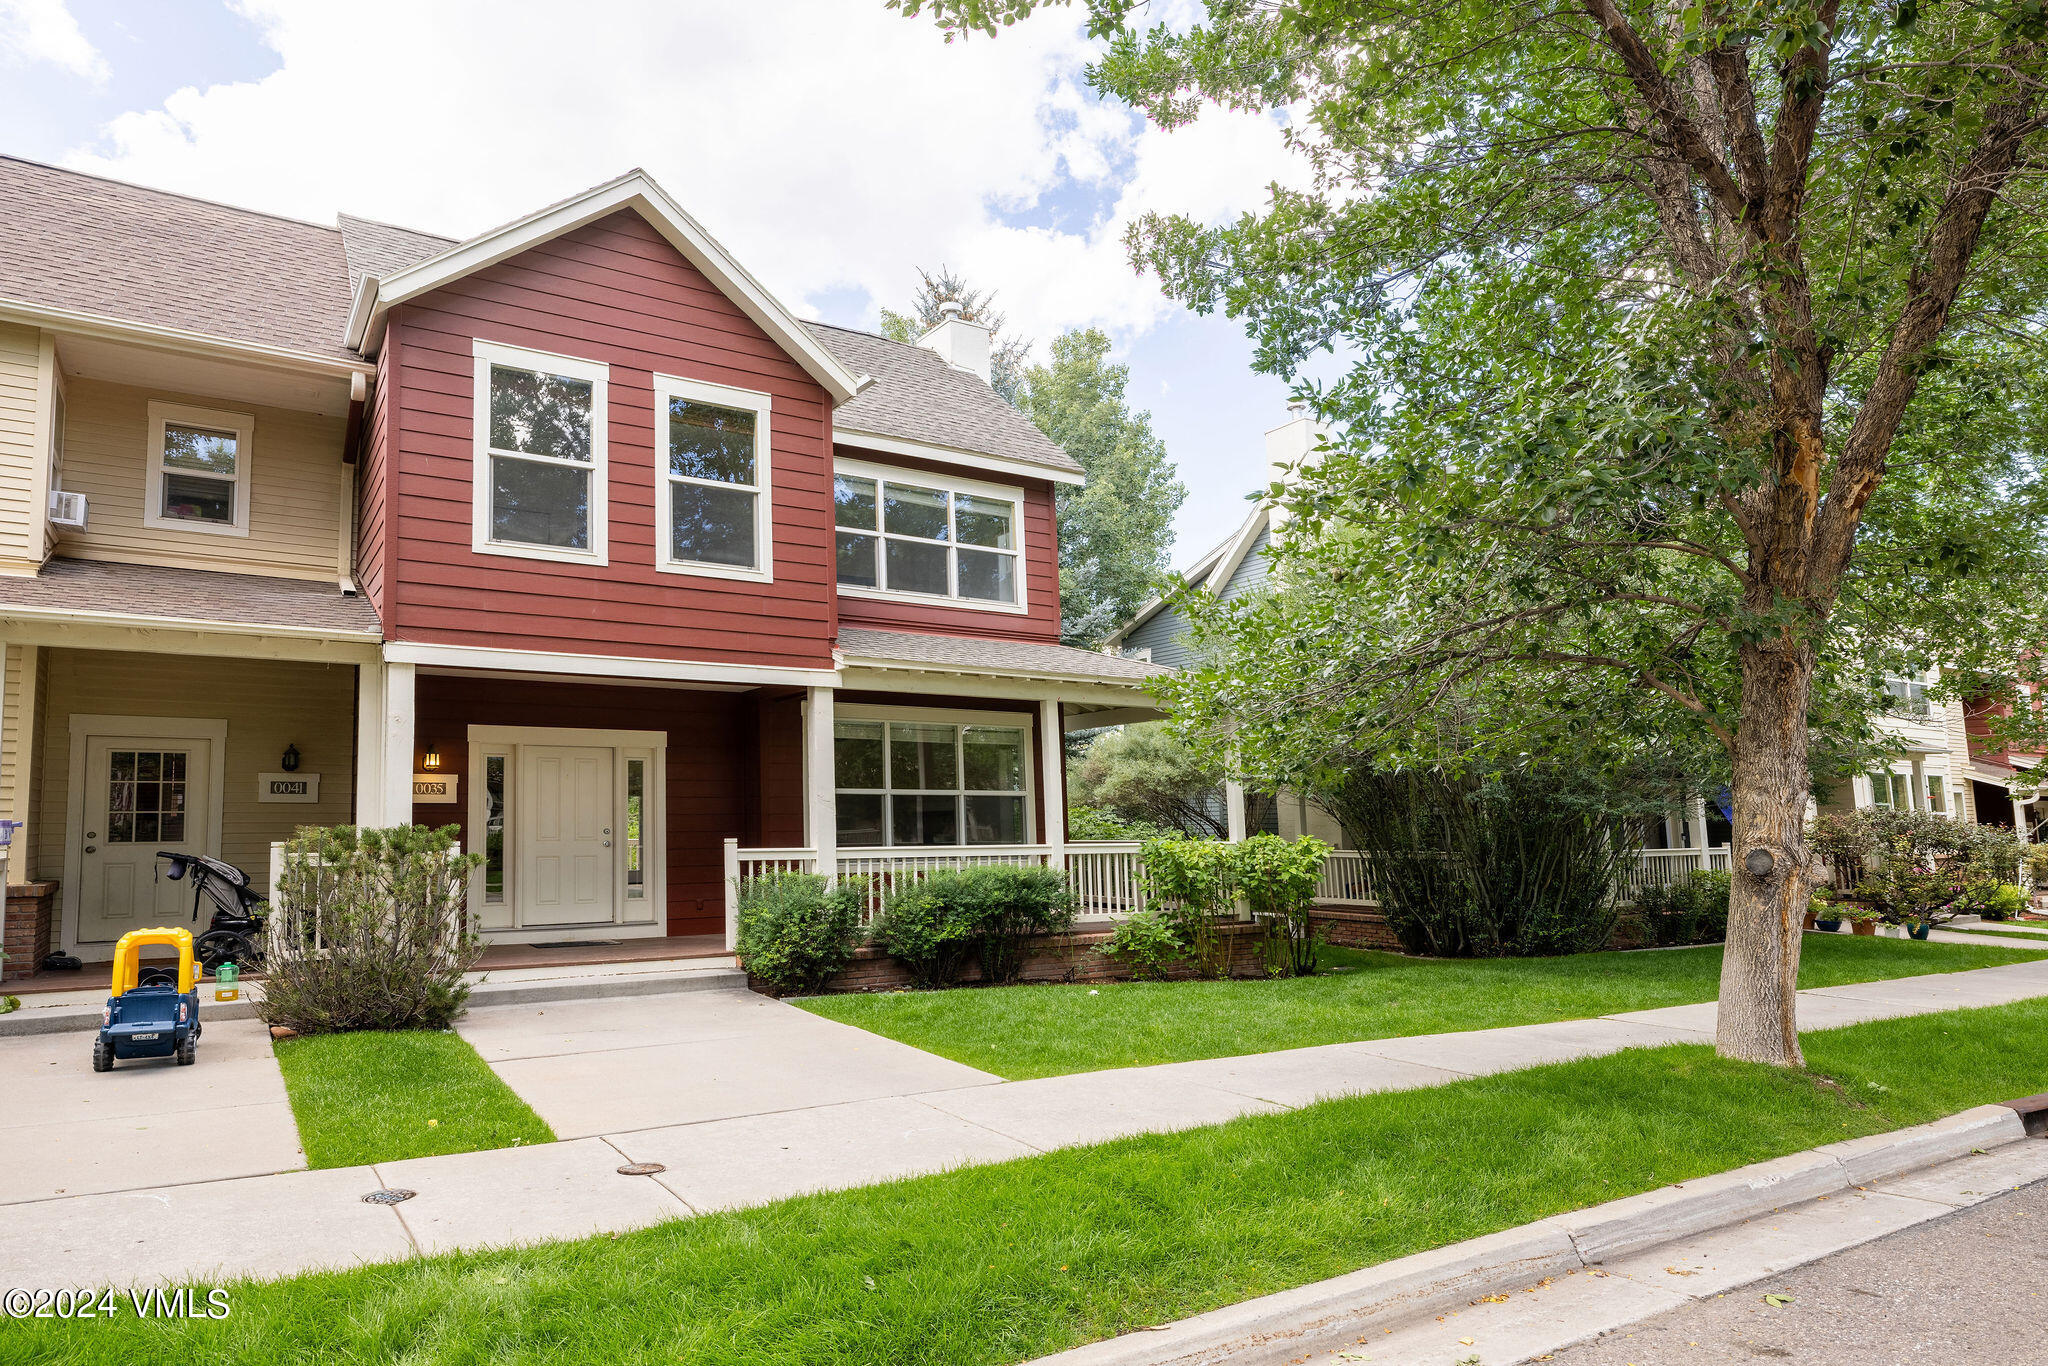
x=569 y=535
x=1158 y=633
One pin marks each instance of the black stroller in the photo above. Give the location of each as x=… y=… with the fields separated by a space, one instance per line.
x=234 y=934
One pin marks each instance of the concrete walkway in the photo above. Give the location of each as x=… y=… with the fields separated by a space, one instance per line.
x=67 y=1130
x=281 y=1224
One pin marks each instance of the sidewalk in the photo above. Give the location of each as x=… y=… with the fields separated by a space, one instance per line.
x=278 y=1225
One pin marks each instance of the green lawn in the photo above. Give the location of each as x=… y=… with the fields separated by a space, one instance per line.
x=375 y=1097
x=996 y=1264
x=1043 y=1031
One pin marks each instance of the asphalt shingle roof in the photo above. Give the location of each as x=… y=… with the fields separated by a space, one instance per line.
x=154 y=590
x=120 y=251
x=126 y=252
x=916 y=396
x=991 y=656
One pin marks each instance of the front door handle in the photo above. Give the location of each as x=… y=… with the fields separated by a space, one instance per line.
x=607 y=844
x=90 y=849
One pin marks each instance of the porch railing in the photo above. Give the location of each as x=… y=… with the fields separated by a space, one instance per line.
x=1107 y=875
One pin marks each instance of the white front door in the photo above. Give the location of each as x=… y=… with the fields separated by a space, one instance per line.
x=564 y=833
x=142 y=794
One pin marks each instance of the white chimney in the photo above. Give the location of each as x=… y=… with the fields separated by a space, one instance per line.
x=961 y=344
x=1289 y=447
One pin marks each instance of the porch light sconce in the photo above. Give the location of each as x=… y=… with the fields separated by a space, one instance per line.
x=433 y=759
x=289 y=761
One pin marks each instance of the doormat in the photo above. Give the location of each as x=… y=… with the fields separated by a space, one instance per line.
x=578 y=944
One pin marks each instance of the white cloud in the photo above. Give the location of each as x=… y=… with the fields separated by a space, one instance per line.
x=831 y=144
x=45 y=31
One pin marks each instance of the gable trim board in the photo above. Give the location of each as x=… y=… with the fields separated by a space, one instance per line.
x=1213 y=571
x=994 y=464
x=635 y=191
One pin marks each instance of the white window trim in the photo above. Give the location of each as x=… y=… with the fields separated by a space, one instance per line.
x=759 y=404
x=598 y=375
x=861 y=469
x=243 y=425
x=1002 y=720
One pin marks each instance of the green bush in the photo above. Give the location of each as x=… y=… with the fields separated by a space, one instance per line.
x=1277 y=880
x=1692 y=911
x=935 y=923
x=369 y=931
x=1192 y=884
x=1096 y=823
x=2007 y=902
x=1147 y=943
x=1011 y=904
x=794 y=933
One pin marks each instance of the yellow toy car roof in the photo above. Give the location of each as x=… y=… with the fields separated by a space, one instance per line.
x=128 y=960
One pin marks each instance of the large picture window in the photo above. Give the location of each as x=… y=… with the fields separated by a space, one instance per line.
x=714 y=494
x=540 y=454
x=899 y=534
x=916 y=782
x=199 y=470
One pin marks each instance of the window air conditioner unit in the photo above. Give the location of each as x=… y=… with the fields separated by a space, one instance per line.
x=67 y=509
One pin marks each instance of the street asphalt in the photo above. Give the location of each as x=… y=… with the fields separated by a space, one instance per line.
x=1970 y=1289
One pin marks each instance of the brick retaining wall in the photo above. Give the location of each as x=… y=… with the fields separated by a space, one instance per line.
x=31 y=927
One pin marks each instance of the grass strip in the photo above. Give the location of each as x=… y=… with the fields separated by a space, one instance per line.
x=381 y=1097
x=997 y=1264
x=1997 y=932
x=1042 y=1031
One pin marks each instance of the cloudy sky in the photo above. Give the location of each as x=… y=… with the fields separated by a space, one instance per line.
x=831 y=144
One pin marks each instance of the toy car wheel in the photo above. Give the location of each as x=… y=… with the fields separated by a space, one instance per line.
x=188 y=1050
x=102 y=1056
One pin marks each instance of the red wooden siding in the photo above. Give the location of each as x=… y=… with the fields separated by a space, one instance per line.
x=1040 y=620
x=616 y=292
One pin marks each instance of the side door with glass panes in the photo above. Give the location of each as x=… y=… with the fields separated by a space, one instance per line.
x=141 y=795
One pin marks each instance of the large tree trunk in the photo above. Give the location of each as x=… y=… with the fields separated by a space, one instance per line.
x=1760 y=966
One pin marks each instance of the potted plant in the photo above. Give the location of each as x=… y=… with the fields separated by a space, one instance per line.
x=1863 y=920
x=1822 y=913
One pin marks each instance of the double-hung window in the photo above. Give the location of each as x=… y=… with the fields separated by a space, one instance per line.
x=903 y=534
x=711 y=444
x=198 y=470
x=908 y=781
x=540 y=455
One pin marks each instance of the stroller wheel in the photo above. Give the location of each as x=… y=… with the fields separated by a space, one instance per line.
x=216 y=947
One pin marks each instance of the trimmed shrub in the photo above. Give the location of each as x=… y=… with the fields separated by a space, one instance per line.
x=1691 y=911
x=1277 y=880
x=935 y=923
x=2004 y=904
x=371 y=932
x=1010 y=905
x=794 y=934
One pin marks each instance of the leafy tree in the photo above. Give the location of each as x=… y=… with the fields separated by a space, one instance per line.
x=1007 y=354
x=1696 y=356
x=1115 y=531
x=1144 y=773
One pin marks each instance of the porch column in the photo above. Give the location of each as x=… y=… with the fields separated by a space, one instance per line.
x=1052 y=768
x=821 y=803
x=1698 y=822
x=2020 y=822
x=18 y=741
x=397 y=741
x=369 y=785
x=1235 y=823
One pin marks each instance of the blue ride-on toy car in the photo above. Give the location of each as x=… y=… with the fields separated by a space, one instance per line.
x=154 y=1011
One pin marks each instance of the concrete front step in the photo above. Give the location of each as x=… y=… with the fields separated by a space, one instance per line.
x=79 y=1011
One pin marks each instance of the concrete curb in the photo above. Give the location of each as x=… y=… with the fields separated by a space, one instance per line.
x=1335 y=1312
x=70 y=1019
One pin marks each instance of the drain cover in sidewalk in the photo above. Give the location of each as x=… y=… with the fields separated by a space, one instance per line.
x=641 y=1169
x=390 y=1195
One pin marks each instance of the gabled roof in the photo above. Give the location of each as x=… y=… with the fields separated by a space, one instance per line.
x=82 y=250
x=634 y=190
x=1212 y=571
x=972 y=654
